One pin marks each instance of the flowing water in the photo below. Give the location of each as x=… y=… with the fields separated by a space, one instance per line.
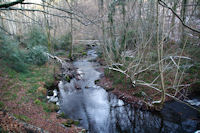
x=102 y=112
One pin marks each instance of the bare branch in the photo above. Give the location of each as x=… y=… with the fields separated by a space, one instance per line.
x=162 y=3
x=33 y=10
x=9 y=4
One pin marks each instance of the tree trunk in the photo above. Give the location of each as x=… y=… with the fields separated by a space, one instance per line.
x=160 y=53
x=183 y=15
x=71 y=30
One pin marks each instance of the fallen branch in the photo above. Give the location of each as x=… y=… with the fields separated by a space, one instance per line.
x=146 y=84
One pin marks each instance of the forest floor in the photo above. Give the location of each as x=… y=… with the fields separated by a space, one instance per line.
x=23 y=104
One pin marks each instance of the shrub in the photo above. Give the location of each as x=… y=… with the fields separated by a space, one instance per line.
x=64 y=42
x=36 y=36
x=36 y=55
x=18 y=57
x=11 y=54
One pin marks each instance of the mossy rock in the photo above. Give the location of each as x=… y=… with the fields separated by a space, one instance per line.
x=96 y=81
x=68 y=123
x=50 y=92
x=76 y=122
x=109 y=89
x=84 y=53
x=62 y=115
x=67 y=78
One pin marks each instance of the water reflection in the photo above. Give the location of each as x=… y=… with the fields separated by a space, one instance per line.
x=101 y=112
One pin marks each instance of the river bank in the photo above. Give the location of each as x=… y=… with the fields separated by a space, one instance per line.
x=23 y=104
x=95 y=106
x=100 y=111
x=140 y=96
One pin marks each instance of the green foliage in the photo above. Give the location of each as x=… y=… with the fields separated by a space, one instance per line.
x=1 y=105
x=60 y=53
x=14 y=96
x=76 y=122
x=63 y=42
x=36 y=43
x=37 y=101
x=131 y=39
x=62 y=115
x=118 y=79
x=79 y=50
x=11 y=54
x=35 y=37
x=37 y=56
x=140 y=94
x=18 y=57
x=47 y=107
x=23 y=118
x=193 y=51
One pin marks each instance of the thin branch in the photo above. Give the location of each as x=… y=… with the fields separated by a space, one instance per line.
x=162 y=3
x=12 y=20
x=33 y=10
x=9 y=4
x=66 y=11
x=6 y=31
x=149 y=85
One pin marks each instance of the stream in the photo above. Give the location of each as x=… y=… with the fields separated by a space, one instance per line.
x=102 y=112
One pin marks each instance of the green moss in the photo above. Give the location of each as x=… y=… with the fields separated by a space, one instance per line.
x=38 y=102
x=45 y=107
x=67 y=78
x=7 y=94
x=22 y=117
x=14 y=97
x=30 y=81
x=76 y=122
x=2 y=105
x=84 y=53
x=140 y=94
x=62 y=115
x=31 y=91
x=68 y=123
